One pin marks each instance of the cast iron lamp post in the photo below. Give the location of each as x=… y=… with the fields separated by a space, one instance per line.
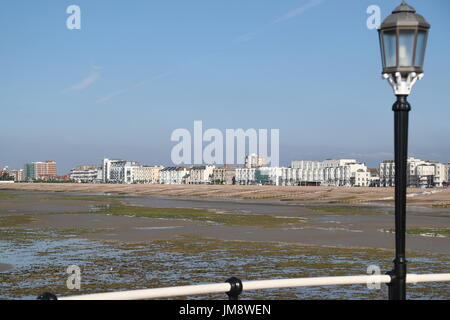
x=403 y=40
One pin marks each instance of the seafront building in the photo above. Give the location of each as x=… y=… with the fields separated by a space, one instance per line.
x=304 y=172
x=87 y=174
x=5 y=175
x=129 y=172
x=200 y=175
x=387 y=173
x=420 y=173
x=331 y=172
x=259 y=176
x=440 y=175
x=40 y=171
x=225 y=175
x=12 y=175
x=118 y=171
x=448 y=174
x=173 y=175
x=246 y=176
x=146 y=174
x=345 y=173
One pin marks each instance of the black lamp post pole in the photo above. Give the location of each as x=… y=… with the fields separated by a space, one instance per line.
x=401 y=108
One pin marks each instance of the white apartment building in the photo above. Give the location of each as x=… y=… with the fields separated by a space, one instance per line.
x=423 y=175
x=440 y=174
x=87 y=174
x=289 y=176
x=387 y=173
x=420 y=173
x=339 y=172
x=448 y=174
x=331 y=172
x=173 y=175
x=19 y=175
x=417 y=173
x=259 y=176
x=200 y=175
x=304 y=172
x=428 y=174
x=245 y=176
x=118 y=171
x=361 y=178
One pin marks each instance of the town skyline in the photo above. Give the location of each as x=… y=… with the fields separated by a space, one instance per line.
x=255 y=170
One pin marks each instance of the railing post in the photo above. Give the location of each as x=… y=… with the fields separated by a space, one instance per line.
x=390 y=285
x=236 y=288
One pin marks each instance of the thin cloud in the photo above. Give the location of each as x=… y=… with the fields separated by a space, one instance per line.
x=160 y=76
x=297 y=11
x=86 y=82
x=125 y=90
x=112 y=95
x=287 y=16
x=246 y=37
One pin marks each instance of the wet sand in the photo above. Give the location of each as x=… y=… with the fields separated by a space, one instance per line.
x=321 y=228
x=332 y=231
x=4 y=267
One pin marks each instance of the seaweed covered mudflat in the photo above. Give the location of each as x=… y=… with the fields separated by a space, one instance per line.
x=123 y=243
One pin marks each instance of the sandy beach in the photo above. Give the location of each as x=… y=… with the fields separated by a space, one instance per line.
x=422 y=197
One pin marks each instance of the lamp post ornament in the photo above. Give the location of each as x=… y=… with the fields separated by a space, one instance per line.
x=403 y=38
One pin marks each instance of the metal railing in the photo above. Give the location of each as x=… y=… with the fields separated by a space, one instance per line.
x=233 y=287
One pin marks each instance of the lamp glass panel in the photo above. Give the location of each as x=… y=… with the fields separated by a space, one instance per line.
x=420 y=49
x=383 y=60
x=390 y=48
x=406 y=48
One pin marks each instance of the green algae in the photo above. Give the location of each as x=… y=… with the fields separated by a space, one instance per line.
x=234 y=219
x=341 y=211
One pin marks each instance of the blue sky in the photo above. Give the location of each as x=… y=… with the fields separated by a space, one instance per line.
x=137 y=70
